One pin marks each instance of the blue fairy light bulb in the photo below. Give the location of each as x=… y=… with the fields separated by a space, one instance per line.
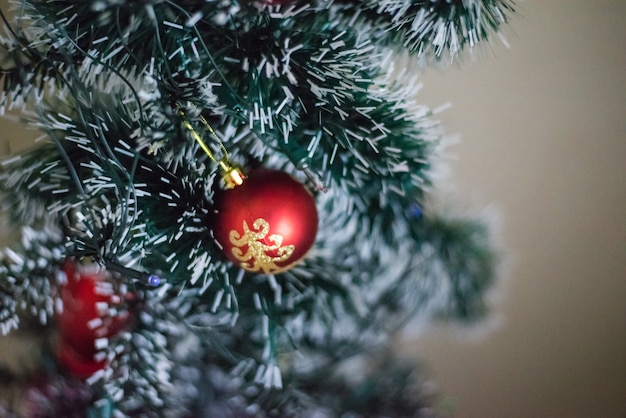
x=153 y=280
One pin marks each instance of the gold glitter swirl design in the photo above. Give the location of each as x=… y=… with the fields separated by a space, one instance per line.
x=257 y=259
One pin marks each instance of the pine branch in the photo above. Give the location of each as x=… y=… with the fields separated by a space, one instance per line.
x=27 y=275
x=440 y=29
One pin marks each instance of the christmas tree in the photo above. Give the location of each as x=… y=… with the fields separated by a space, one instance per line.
x=228 y=211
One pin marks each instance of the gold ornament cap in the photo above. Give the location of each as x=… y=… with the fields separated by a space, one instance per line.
x=231 y=174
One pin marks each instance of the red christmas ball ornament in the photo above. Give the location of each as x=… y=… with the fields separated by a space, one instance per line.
x=56 y=396
x=77 y=364
x=268 y=223
x=89 y=317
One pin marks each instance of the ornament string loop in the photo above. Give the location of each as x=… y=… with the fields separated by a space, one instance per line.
x=231 y=174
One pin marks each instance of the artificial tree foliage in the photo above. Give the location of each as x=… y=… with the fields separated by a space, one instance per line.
x=326 y=91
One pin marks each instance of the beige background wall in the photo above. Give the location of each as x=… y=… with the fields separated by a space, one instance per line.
x=543 y=129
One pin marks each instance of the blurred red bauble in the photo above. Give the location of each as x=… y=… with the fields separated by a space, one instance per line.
x=47 y=396
x=77 y=364
x=89 y=314
x=267 y=224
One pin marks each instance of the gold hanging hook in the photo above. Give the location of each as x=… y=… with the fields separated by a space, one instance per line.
x=231 y=174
